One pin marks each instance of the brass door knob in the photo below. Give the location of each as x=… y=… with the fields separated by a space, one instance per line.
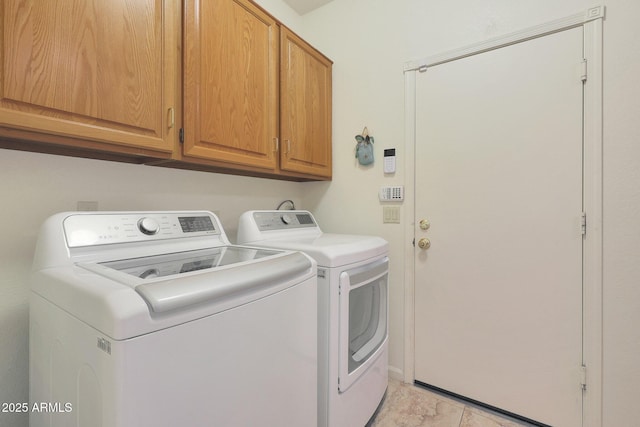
x=424 y=243
x=424 y=224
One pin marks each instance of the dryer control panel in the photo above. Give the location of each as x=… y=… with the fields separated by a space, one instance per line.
x=90 y=229
x=282 y=220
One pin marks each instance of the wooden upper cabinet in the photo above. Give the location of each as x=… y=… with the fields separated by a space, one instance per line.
x=97 y=71
x=230 y=77
x=305 y=107
x=116 y=79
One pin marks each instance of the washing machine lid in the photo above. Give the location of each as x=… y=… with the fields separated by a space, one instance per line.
x=127 y=274
x=175 y=281
x=116 y=301
x=131 y=271
x=333 y=250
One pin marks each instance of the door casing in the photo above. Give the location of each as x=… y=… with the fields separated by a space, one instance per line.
x=592 y=23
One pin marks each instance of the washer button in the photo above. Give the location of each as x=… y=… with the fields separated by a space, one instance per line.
x=148 y=226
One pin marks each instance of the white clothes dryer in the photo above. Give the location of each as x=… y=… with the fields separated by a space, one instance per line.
x=352 y=310
x=154 y=319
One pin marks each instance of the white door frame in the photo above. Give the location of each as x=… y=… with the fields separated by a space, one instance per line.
x=592 y=22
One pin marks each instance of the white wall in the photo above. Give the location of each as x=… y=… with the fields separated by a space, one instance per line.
x=365 y=39
x=35 y=186
x=370 y=40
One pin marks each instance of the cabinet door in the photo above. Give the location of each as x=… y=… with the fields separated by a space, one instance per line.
x=230 y=83
x=305 y=107
x=91 y=70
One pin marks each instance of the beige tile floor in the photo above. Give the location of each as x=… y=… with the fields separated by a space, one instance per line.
x=406 y=405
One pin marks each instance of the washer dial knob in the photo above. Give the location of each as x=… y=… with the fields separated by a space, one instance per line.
x=148 y=226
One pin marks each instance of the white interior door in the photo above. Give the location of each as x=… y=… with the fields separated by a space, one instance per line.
x=498 y=295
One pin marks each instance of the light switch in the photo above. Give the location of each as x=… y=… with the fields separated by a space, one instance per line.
x=391 y=214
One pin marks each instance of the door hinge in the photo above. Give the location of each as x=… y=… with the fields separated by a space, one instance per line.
x=583 y=223
x=583 y=377
x=181 y=135
x=583 y=70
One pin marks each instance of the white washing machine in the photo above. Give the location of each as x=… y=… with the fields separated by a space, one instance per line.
x=352 y=312
x=151 y=319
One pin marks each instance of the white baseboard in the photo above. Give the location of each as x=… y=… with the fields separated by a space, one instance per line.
x=396 y=373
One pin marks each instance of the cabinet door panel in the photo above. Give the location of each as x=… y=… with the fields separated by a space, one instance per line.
x=230 y=83
x=88 y=69
x=305 y=108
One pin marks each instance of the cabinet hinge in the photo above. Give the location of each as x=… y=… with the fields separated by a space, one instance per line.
x=422 y=69
x=583 y=223
x=181 y=135
x=583 y=377
x=583 y=70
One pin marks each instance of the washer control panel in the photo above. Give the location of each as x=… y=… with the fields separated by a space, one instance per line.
x=109 y=228
x=148 y=226
x=283 y=220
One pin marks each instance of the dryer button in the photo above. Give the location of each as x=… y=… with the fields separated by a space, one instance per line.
x=287 y=218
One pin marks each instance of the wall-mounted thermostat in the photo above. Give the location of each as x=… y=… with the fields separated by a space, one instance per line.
x=390 y=160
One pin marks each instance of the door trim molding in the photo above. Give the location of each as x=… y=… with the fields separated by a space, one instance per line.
x=592 y=22
x=580 y=19
x=593 y=205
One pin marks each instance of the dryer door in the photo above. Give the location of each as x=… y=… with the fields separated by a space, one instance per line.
x=363 y=319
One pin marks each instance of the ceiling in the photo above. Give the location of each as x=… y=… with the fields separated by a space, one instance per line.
x=304 y=6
